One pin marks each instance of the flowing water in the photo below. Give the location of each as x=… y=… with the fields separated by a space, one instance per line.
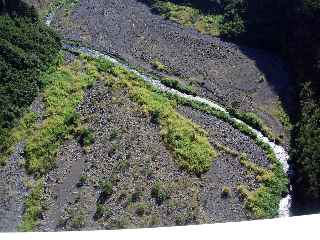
x=280 y=152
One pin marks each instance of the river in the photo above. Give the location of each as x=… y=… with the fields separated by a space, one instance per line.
x=280 y=152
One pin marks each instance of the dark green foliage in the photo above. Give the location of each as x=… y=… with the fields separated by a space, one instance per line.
x=175 y=84
x=106 y=191
x=155 y=117
x=26 y=49
x=82 y=181
x=104 y=65
x=17 y=8
x=102 y=211
x=86 y=137
x=159 y=193
x=306 y=151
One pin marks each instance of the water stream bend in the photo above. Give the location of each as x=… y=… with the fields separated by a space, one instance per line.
x=280 y=152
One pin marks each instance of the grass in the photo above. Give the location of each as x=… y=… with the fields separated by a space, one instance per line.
x=190 y=17
x=101 y=210
x=277 y=111
x=226 y=192
x=33 y=208
x=262 y=173
x=256 y=122
x=63 y=92
x=192 y=149
x=179 y=134
x=186 y=140
x=106 y=188
x=264 y=202
x=77 y=219
x=159 y=193
x=22 y=131
x=283 y=117
x=159 y=66
x=64 y=89
x=176 y=84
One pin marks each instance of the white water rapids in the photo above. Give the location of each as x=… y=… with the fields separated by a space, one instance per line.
x=280 y=152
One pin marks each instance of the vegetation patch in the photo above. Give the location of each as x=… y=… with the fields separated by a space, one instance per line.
x=189 y=16
x=33 y=207
x=64 y=90
x=67 y=6
x=257 y=123
x=226 y=192
x=176 y=84
x=264 y=202
x=159 y=193
x=159 y=66
x=188 y=141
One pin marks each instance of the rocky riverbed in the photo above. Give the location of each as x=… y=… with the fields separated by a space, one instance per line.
x=224 y=72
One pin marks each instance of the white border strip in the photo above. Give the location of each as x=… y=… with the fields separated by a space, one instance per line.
x=303 y=227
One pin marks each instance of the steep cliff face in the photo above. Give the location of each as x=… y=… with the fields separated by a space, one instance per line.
x=38 y=4
x=22 y=7
x=16 y=8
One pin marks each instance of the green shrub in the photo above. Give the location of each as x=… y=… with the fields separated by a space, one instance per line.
x=141 y=209
x=257 y=123
x=33 y=208
x=225 y=192
x=106 y=187
x=159 y=193
x=104 y=65
x=82 y=181
x=86 y=137
x=155 y=117
x=159 y=66
x=175 y=84
x=77 y=219
x=99 y=212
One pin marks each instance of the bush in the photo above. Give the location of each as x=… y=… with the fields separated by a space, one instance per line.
x=141 y=209
x=159 y=193
x=99 y=212
x=82 y=181
x=159 y=66
x=77 y=219
x=225 y=192
x=86 y=137
x=104 y=65
x=106 y=187
x=175 y=84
